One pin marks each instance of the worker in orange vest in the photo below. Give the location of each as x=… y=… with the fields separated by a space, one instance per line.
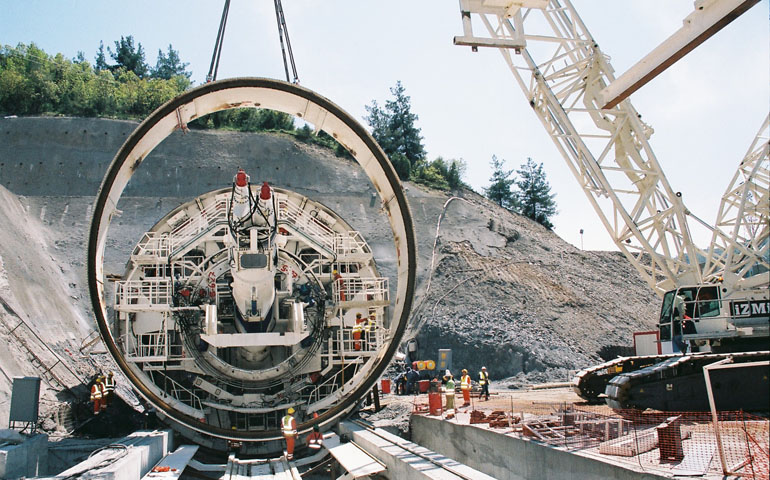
x=316 y=439
x=289 y=432
x=97 y=393
x=465 y=387
x=340 y=284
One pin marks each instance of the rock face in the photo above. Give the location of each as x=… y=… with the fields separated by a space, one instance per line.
x=504 y=292
x=510 y=295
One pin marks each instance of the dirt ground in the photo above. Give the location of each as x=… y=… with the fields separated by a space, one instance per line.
x=396 y=409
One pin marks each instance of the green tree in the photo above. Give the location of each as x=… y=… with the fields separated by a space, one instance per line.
x=441 y=174
x=100 y=62
x=169 y=65
x=394 y=129
x=33 y=83
x=128 y=57
x=499 y=191
x=533 y=195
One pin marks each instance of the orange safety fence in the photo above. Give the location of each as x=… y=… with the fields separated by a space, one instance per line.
x=682 y=443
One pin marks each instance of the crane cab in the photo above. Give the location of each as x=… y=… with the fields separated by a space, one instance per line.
x=700 y=319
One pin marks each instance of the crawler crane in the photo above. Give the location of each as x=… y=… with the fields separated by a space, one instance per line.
x=715 y=300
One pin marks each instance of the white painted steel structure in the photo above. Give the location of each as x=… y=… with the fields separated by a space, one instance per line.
x=563 y=72
x=568 y=81
x=215 y=378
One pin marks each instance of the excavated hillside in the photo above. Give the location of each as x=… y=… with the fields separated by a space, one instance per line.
x=510 y=295
x=504 y=292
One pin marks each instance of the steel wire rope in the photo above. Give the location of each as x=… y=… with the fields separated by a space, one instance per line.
x=283 y=30
x=419 y=308
x=104 y=463
x=214 y=68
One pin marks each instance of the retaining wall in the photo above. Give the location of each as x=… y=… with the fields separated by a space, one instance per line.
x=511 y=458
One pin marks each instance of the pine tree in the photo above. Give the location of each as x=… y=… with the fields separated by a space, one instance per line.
x=394 y=129
x=170 y=65
x=533 y=196
x=100 y=60
x=129 y=57
x=499 y=191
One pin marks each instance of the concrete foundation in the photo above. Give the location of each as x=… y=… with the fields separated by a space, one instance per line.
x=403 y=464
x=507 y=457
x=142 y=451
x=27 y=459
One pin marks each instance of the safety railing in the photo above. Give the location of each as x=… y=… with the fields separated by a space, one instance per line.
x=192 y=227
x=152 y=245
x=356 y=289
x=349 y=243
x=175 y=390
x=147 y=294
x=292 y=214
x=149 y=347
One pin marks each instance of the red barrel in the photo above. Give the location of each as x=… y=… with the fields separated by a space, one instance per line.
x=424 y=385
x=385 y=385
x=434 y=403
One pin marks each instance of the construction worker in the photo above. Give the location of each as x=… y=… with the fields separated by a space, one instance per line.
x=450 y=391
x=289 y=432
x=340 y=284
x=358 y=330
x=465 y=386
x=411 y=381
x=315 y=440
x=109 y=389
x=484 y=382
x=359 y=333
x=97 y=393
x=371 y=327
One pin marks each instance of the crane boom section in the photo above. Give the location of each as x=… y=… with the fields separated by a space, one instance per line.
x=562 y=71
x=742 y=255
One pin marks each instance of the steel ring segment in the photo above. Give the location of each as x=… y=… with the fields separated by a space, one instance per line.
x=293 y=100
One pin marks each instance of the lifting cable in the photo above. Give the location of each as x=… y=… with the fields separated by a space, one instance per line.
x=218 y=44
x=283 y=32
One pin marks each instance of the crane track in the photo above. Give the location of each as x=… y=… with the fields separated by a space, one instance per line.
x=678 y=384
x=621 y=378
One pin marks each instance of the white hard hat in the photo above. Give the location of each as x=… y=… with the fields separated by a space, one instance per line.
x=483 y=368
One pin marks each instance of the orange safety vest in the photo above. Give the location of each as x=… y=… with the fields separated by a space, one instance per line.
x=96 y=392
x=465 y=382
x=315 y=440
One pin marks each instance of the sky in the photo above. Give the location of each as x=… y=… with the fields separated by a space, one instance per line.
x=705 y=109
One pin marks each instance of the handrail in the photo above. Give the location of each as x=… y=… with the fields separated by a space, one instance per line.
x=354 y=288
x=193 y=226
x=147 y=292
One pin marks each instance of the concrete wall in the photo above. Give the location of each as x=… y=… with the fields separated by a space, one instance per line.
x=28 y=459
x=507 y=457
x=143 y=450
